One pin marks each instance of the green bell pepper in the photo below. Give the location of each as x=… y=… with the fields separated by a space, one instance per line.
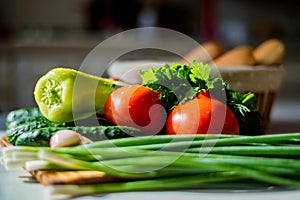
x=65 y=95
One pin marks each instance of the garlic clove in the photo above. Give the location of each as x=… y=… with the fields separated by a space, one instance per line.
x=65 y=138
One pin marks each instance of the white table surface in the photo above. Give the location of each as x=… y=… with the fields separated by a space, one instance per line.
x=17 y=184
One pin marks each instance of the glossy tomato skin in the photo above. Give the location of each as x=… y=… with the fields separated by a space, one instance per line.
x=202 y=115
x=136 y=106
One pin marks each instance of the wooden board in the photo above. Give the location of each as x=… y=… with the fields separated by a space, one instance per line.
x=4 y=142
x=70 y=177
x=49 y=177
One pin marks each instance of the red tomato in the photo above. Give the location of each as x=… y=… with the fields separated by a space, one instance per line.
x=136 y=106
x=202 y=115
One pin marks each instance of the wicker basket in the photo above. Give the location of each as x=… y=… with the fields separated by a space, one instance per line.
x=263 y=81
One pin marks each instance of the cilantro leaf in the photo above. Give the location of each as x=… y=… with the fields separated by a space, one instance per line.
x=174 y=86
x=199 y=71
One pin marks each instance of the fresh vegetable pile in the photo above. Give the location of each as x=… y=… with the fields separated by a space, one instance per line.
x=181 y=128
x=176 y=99
x=193 y=101
x=180 y=84
x=172 y=162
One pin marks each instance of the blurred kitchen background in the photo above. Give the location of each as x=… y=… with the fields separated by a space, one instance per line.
x=37 y=35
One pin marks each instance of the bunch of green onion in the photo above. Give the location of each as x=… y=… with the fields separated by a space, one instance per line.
x=171 y=162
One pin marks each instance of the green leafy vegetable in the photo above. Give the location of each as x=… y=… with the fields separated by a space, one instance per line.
x=248 y=116
x=199 y=71
x=17 y=114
